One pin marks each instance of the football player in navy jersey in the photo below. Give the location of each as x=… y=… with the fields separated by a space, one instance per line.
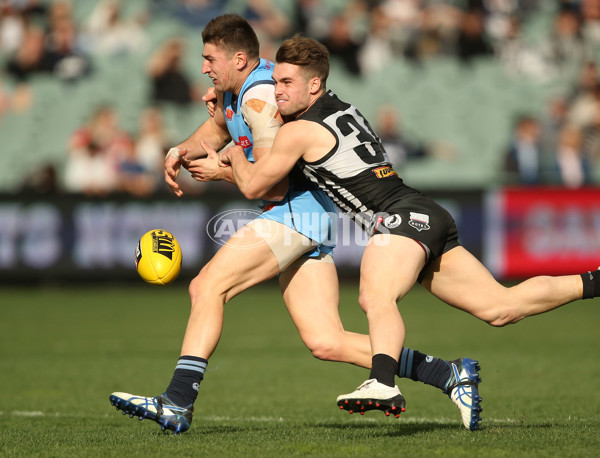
x=281 y=241
x=413 y=239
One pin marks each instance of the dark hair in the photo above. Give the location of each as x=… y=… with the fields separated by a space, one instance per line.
x=233 y=33
x=307 y=53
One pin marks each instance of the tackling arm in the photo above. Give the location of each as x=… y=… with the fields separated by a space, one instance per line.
x=255 y=180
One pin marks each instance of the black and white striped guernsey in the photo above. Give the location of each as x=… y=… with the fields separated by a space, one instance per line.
x=356 y=173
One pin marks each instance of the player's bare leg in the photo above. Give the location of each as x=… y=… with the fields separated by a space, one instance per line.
x=389 y=268
x=460 y=280
x=311 y=294
x=245 y=260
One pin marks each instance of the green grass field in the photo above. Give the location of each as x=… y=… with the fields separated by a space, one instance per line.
x=64 y=350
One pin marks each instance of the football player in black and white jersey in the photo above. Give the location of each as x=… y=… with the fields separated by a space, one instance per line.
x=412 y=237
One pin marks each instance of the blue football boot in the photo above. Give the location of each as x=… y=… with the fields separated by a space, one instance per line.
x=159 y=408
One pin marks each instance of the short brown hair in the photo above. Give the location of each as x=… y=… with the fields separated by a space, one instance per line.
x=233 y=33
x=307 y=53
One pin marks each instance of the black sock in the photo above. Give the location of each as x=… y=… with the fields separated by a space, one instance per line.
x=591 y=284
x=423 y=368
x=384 y=369
x=185 y=383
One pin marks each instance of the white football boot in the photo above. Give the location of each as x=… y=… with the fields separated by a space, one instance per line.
x=372 y=395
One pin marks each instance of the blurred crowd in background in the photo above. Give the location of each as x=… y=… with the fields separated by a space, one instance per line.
x=559 y=146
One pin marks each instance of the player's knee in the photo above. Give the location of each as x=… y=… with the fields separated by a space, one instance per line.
x=370 y=302
x=202 y=286
x=323 y=349
x=498 y=316
x=366 y=301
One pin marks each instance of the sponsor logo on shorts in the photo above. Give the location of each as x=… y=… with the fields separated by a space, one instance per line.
x=229 y=113
x=384 y=172
x=392 y=221
x=244 y=142
x=419 y=221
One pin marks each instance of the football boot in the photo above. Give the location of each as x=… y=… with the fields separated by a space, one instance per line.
x=372 y=395
x=463 y=388
x=159 y=408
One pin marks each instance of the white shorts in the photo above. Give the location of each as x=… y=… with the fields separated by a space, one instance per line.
x=288 y=246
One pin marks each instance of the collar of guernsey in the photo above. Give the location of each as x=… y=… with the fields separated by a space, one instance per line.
x=238 y=129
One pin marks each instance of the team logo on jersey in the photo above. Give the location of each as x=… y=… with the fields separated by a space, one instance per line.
x=419 y=221
x=244 y=142
x=384 y=172
x=229 y=113
x=392 y=221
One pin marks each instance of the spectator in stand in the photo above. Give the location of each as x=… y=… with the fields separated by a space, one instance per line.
x=399 y=148
x=343 y=45
x=42 y=180
x=132 y=176
x=433 y=34
x=311 y=18
x=590 y=28
x=12 y=28
x=591 y=137
x=111 y=35
x=267 y=19
x=523 y=158
x=94 y=153
x=572 y=166
x=68 y=60
x=472 y=42
x=519 y=57
x=29 y=59
x=169 y=82
x=551 y=123
x=152 y=143
x=376 y=51
x=583 y=101
x=195 y=13
x=564 y=47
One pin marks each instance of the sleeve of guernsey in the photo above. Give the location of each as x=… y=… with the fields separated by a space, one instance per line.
x=260 y=113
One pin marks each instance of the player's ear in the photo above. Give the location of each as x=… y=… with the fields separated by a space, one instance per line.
x=241 y=60
x=315 y=85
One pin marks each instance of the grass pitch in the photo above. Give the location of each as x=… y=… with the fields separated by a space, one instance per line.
x=64 y=350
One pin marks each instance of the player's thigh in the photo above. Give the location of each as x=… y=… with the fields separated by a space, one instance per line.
x=246 y=259
x=311 y=295
x=461 y=280
x=390 y=267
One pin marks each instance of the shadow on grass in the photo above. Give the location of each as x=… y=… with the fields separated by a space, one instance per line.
x=395 y=430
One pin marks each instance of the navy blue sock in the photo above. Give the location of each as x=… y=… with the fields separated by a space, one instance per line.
x=423 y=368
x=185 y=383
x=591 y=284
x=384 y=369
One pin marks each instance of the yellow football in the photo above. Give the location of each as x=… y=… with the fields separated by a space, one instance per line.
x=158 y=257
